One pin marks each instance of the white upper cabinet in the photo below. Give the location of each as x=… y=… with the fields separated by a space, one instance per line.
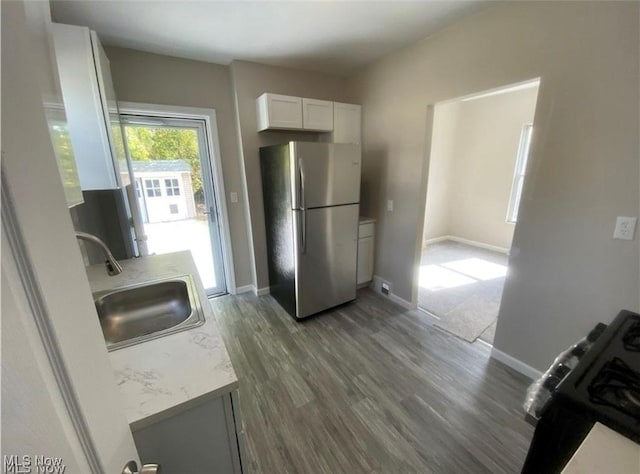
x=63 y=148
x=346 y=123
x=284 y=112
x=317 y=115
x=91 y=106
x=279 y=112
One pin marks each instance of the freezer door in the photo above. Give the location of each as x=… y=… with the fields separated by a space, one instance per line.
x=324 y=174
x=327 y=247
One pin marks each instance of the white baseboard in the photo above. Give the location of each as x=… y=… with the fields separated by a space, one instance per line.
x=435 y=240
x=400 y=301
x=377 y=287
x=515 y=364
x=473 y=243
x=243 y=289
x=251 y=289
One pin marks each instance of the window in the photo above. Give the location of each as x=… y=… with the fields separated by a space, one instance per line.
x=153 y=187
x=173 y=208
x=172 y=186
x=518 y=175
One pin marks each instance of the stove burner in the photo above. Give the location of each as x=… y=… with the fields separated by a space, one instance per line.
x=632 y=396
x=617 y=385
x=631 y=339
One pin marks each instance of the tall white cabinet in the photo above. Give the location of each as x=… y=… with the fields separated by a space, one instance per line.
x=347 y=121
x=91 y=106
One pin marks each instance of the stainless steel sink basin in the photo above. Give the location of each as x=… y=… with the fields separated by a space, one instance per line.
x=137 y=313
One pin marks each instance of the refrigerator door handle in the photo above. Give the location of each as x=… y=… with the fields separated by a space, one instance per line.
x=303 y=207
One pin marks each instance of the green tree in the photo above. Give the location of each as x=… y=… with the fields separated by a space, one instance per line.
x=150 y=143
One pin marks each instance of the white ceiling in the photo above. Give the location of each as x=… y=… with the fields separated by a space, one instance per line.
x=331 y=36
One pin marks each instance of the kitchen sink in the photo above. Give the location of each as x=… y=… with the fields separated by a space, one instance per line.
x=137 y=313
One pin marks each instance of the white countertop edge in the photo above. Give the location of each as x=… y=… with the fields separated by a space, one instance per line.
x=605 y=451
x=162 y=377
x=137 y=425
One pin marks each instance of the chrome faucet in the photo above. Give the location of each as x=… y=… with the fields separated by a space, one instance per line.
x=113 y=267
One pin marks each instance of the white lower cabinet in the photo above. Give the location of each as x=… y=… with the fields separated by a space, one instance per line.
x=206 y=438
x=366 y=252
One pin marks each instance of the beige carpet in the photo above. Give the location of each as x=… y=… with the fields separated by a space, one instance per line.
x=462 y=286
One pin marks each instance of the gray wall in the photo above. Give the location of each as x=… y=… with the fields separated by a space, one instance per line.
x=471 y=167
x=250 y=80
x=156 y=79
x=566 y=271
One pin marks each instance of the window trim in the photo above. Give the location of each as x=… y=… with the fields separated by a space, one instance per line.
x=153 y=190
x=519 y=173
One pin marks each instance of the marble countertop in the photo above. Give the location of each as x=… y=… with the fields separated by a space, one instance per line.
x=604 y=450
x=164 y=376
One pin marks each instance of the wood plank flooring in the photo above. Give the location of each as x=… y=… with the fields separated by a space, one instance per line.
x=369 y=387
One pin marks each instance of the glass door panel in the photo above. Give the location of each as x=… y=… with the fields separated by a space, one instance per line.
x=173 y=181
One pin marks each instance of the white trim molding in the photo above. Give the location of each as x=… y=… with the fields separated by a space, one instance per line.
x=23 y=267
x=244 y=289
x=473 y=243
x=515 y=364
x=252 y=289
x=211 y=127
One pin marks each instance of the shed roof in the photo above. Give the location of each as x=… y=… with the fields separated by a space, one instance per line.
x=177 y=166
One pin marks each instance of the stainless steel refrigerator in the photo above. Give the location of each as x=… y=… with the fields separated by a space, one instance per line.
x=311 y=202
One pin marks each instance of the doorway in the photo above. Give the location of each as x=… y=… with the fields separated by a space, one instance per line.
x=477 y=167
x=170 y=163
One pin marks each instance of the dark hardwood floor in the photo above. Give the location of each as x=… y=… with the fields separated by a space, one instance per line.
x=369 y=387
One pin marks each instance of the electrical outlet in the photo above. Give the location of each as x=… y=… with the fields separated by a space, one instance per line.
x=625 y=228
x=384 y=288
x=234 y=196
x=390 y=205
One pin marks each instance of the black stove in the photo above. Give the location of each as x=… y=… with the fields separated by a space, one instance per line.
x=606 y=382
x=604 y=387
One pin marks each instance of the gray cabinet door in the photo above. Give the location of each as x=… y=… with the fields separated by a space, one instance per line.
x=327 y=258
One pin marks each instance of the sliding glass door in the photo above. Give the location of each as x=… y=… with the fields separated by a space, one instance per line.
x=174 y=189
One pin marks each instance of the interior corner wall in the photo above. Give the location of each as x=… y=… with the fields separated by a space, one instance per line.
x=440 y=168
x=566 y=272
x=250 y=80
x=157 y=79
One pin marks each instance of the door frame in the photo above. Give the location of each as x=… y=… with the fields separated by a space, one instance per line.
x=17 y=264
x=211 y=131
x=26 y=258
